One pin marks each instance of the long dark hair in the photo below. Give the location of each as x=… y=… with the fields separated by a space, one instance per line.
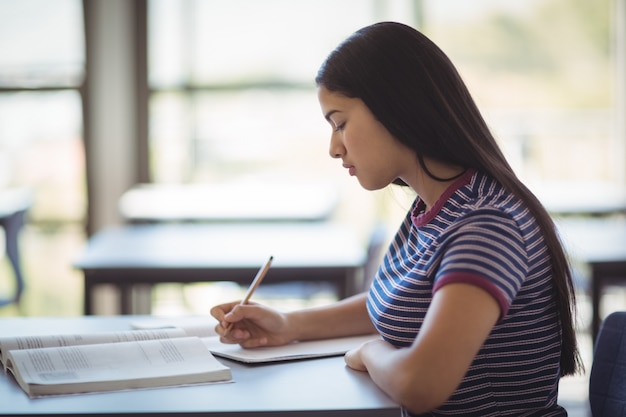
x=415 y=91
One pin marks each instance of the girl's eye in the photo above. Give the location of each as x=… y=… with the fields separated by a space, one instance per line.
x=340 y=127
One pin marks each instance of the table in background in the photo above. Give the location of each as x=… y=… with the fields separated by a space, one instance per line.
x=590 y=216
x=309 y=388
x=600 y=243
x=208 y=252
x=228 y=202
x=581 y=198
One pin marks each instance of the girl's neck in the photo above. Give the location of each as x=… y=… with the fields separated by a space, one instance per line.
x=430 y=189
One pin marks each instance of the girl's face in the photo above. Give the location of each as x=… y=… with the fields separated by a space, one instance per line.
x=365 y=146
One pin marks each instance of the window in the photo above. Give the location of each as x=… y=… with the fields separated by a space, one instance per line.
x=40 y=105
x=233 y=94
x=41 y=147
x=543 y=74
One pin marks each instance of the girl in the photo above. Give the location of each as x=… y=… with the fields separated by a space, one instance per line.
x=474 y=298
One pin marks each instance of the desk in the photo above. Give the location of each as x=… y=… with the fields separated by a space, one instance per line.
x=205 y=252
x=310 y=388
x=601 y=245
x=598 y=198
x=228 y=202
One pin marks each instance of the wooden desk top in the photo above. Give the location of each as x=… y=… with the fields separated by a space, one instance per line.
x=581 y=198
x=228 y=202
x=594 y=240
x=226 y=245
x=320 y=387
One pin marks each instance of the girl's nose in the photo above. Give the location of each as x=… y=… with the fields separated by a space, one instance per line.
x=336 y=149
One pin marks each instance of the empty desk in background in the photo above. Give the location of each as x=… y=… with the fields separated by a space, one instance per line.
x=600 y=243
x=308 y=388
x=228 y=202
x=207 y=252
x=581 y=198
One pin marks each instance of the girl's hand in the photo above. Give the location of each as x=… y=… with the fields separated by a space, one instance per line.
x=251 y=325
x=354 y=361
x=372 y=350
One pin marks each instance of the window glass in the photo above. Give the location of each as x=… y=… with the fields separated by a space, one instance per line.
x=42 y=43
x=41 y=148
x=237 y=134
x=234 y=96
x=542 y=72
x=233 y=84
x=243 y=41
x=267 y=41
x=46 y=156
x=41 y=145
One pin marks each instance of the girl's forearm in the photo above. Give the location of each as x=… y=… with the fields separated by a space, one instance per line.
x=397 y=374
x=347 y=317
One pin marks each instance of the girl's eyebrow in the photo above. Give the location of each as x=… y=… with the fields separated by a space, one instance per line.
x=330 y=113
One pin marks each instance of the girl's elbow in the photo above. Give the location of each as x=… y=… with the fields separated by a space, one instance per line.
x=419 y=404
x=420 y=396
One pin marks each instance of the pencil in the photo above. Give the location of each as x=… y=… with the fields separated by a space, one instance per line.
x=253 y=286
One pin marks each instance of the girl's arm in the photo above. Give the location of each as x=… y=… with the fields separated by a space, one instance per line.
x=424 y=376
x=347 y=317
x=255 y=325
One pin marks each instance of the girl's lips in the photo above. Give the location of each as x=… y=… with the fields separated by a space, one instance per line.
x=351 y=169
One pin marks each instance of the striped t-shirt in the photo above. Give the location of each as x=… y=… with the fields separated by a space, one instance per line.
x=481 y=234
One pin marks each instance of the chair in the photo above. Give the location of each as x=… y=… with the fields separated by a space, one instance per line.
x=14 y=204
x=607 y=383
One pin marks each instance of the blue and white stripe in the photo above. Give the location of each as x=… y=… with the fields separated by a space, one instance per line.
x=481 y=234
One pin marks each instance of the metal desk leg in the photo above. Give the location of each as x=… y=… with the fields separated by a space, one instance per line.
x=126 y=299
x=352 y=284
x=125 y=304
x=596 y=293
x=87 y=297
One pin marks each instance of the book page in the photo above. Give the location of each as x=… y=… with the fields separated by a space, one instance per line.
x=293 y=351
x=35 y=342
x=200 y=326
x=106 y=367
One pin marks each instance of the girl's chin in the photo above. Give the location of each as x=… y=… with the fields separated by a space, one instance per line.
x=369 y=186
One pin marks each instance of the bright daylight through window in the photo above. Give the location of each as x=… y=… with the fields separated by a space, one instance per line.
x=233 y=96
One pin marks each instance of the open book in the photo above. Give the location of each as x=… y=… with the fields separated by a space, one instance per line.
x=145 y=358
x=71 y=364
